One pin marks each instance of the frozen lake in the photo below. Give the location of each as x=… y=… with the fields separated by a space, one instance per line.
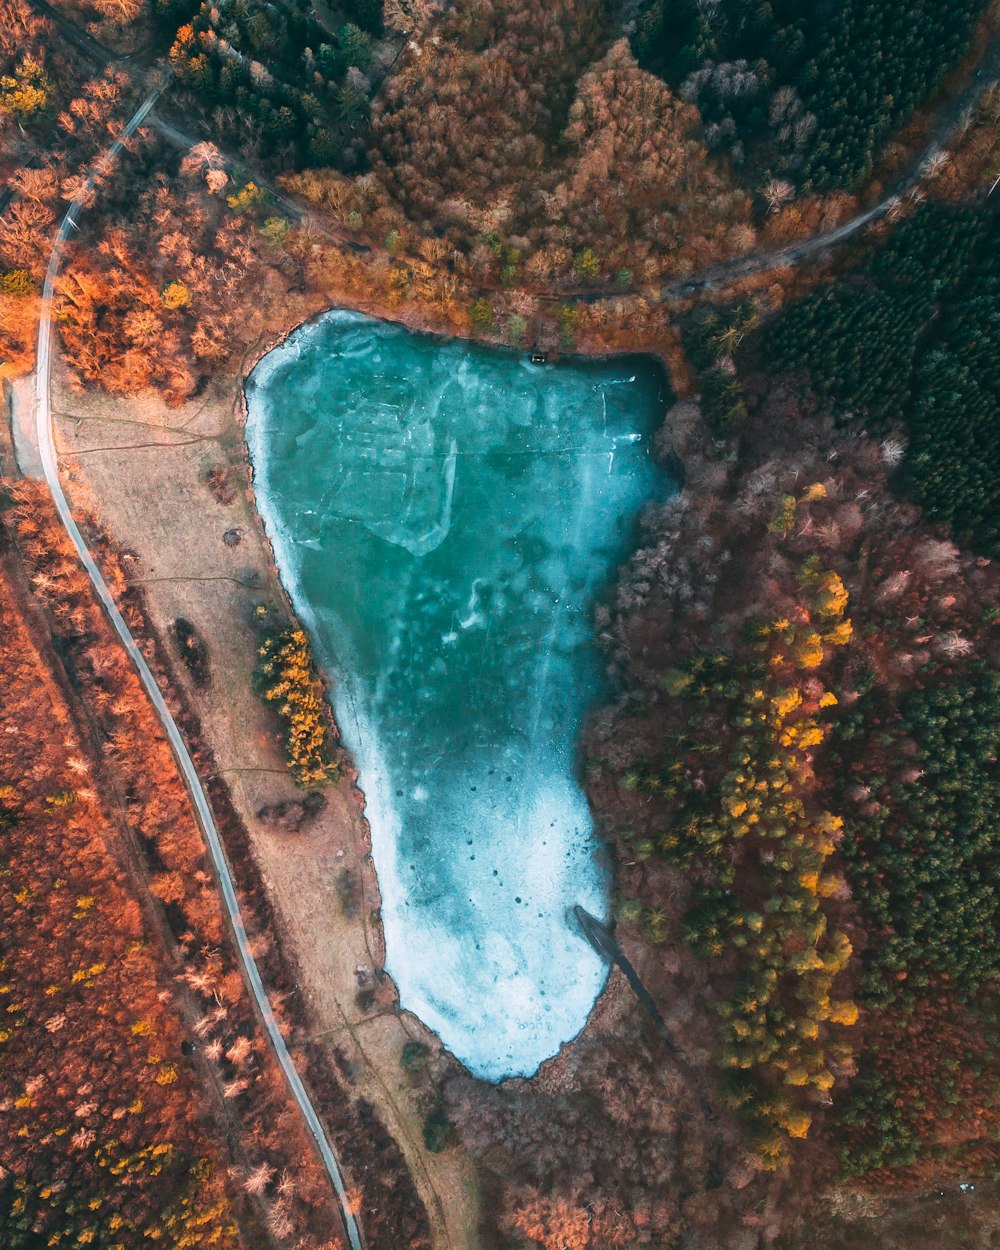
x=445 y=517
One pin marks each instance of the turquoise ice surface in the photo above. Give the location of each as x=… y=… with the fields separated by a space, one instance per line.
x=446 y=517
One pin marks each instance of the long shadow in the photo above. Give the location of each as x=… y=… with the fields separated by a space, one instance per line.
x=601 y=938
x=603 y=941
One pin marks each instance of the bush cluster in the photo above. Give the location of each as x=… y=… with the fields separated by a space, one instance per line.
x=287 y=677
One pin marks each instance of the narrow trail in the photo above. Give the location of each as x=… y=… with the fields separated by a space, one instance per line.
x=947 y=122
x=98 y=55
x=199 y=799
x=298 y=211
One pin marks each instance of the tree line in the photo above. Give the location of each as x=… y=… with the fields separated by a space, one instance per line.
x=277 y=82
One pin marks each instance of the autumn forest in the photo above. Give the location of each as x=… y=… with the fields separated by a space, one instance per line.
x=792 y=206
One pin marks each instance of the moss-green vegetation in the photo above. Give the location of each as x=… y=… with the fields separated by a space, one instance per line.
x=923 y=846
x=916 y=776
x=414 y=1057
x=276 y=76
x=437 y=1129
x=711 y=337
x=758 y=844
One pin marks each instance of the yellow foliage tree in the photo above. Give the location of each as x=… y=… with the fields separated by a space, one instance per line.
x=844 y=1012
x=26 y=91
x=288 y=677
x=176 y=295
x=247 y=198
x=796 y=1123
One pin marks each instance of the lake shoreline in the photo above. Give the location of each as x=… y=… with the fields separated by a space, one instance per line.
x=117 y=489
x=283 y=538
x=610 y=998
x=176 y=556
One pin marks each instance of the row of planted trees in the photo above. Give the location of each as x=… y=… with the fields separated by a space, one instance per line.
x=288 y=680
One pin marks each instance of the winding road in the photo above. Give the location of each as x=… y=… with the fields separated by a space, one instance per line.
x=947 y=122
x=199 y=799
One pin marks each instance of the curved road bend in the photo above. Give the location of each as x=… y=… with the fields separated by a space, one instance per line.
x=714 y=275
x=948 y=120
x=47 y=451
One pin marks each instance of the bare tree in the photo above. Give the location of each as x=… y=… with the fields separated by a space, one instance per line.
x=777 y=192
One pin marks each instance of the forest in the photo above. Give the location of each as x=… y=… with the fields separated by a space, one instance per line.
x=104 y=1145
x=754 y=817
x=276 y=83
x=800 y=778
x=162 y=982
x=909 y=337
x=470 y=186
x=506 y=143
x=801 y=771
x=798 y=773
x=803 y=91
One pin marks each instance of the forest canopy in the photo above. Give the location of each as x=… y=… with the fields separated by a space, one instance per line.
x=912 y=338
x=810 y=91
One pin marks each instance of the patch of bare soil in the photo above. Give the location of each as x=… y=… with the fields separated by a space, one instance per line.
x=170 y=486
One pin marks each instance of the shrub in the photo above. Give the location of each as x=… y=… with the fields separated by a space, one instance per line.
x=437 y=1129
x=175 y=295
x=414 y=1056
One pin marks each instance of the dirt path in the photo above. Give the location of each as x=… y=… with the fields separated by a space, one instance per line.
x=947 y=121
x=142 y=468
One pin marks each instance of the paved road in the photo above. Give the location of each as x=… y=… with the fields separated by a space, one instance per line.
x=47 y=451
x=76 y=36
x=947 y=123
